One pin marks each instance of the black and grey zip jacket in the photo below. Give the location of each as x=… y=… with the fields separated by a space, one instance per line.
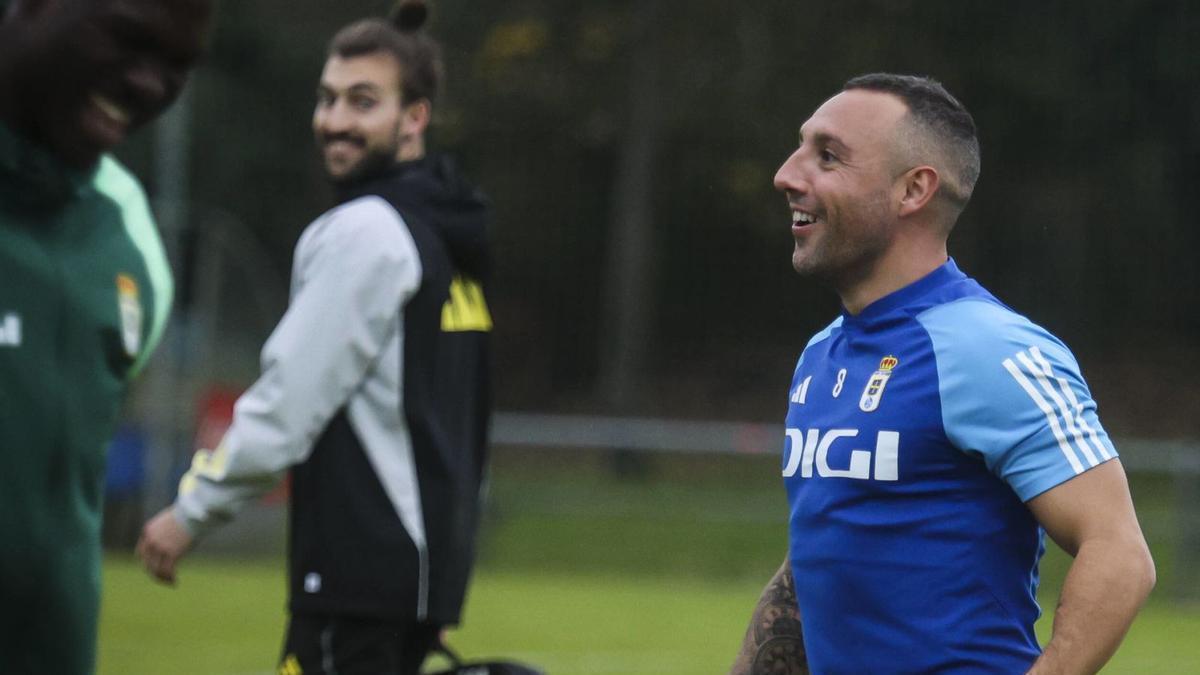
x=375 y=392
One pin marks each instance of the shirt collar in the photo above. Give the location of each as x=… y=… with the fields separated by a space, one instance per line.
x=903 y=297
x=30 y=175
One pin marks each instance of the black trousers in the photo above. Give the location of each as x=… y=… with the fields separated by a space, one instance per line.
x=330 y=644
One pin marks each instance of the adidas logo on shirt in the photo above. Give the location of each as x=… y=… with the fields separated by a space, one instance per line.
x=10 y=330
x=801 y=392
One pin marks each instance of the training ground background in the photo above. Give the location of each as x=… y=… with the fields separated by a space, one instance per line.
x=587 y=567
x=642 y=268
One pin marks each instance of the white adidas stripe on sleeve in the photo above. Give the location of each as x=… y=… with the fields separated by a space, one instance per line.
x=1048 y=411
x=1043 y=378
x=1069 y=395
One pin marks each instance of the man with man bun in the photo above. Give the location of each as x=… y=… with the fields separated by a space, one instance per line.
x=374 y=388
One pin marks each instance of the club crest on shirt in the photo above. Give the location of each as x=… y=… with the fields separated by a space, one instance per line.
x=130 y=309
x=873 y=392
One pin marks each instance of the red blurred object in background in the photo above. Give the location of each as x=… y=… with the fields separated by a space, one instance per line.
x=214 y=415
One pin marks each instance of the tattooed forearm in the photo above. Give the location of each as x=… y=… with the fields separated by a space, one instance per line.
x=773 y=643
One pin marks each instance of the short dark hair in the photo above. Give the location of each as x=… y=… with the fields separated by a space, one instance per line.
x=939 y=115
x=419 y=55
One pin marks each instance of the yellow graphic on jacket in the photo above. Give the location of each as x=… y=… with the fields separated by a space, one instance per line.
x=465 y=310
x=207 y=463
x=290 y=666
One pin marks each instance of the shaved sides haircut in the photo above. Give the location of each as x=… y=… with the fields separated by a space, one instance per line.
x=940 y=130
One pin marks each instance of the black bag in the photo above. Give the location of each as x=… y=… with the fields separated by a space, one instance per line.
x=459 y=667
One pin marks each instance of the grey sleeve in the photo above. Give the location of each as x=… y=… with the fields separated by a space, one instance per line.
x=356 y=267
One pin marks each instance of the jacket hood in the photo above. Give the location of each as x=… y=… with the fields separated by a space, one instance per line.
x=433 y=191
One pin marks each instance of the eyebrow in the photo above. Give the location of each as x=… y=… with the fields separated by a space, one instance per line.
x=825 y=138
x=364 y=88
x=356 y=88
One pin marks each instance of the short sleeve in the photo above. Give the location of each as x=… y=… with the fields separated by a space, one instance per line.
x=1013 y=394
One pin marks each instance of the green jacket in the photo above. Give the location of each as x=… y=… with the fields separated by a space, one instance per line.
x=84 y=294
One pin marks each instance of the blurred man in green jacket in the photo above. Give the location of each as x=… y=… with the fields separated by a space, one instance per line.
x=84 y=297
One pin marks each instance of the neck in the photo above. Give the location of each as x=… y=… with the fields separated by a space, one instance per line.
x=904 y=262
x=411 y=148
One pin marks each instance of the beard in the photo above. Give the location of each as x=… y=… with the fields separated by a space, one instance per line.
x=376 y=157
x=847 y=251
x=375 y=161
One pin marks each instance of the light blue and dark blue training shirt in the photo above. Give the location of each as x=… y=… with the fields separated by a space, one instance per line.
x=916 y=431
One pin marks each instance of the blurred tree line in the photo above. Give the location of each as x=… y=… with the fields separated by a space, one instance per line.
x=642 y=255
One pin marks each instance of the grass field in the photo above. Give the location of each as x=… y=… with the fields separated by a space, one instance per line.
x=580 y=572
x=226 y=618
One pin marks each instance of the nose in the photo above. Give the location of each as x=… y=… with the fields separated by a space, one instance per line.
x=332 y=117
x=791 y=177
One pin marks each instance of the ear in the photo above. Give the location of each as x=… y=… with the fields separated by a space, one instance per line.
x=919 y=184
x=415 y=117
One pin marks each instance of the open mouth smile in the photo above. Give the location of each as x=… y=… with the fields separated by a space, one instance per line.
x=802 y=217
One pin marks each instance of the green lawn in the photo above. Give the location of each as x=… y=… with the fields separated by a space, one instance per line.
x=226 y=618
x=581 y=572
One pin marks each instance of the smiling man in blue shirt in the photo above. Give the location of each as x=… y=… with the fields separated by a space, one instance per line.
x=933 y=434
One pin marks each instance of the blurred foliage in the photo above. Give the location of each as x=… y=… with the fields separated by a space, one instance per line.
x=1090 y=127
